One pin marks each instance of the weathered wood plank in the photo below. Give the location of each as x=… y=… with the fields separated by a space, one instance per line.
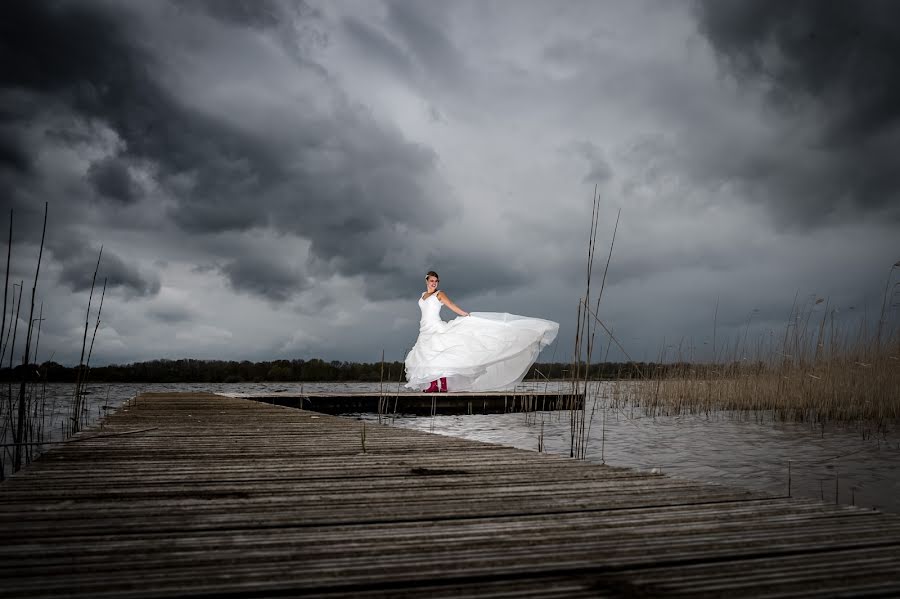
x=211 y=496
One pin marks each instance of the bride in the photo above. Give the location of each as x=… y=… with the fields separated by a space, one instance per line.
x=481 y=351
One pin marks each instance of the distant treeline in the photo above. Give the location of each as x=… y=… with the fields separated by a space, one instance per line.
x=221 y=371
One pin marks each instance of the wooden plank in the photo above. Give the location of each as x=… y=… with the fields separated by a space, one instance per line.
x=413 y=402
x=205 y=495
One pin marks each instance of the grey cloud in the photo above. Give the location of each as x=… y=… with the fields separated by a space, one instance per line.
x=72 y=49
x=270 y=156
x=566 y=52
x=599 y=173
x=467 y=268
x=204 y=268
x=264 y=277
x=412 y=45
x=423 y=34
x=830 y=72
x=285 y=20
x=78 y=264
x=129 y=278
x=112 y=179
x=254 y=13
x=482 y=277
x=599 y=170
x=314 y=304
x=473 y=267
x=839 y=54
x=378 y=46
x=12 y=153
x=327 y=177
x=170 y=314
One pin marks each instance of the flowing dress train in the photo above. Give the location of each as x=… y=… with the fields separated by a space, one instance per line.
x=485 y=351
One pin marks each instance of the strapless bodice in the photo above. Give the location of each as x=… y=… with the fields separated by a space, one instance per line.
x=431 y=313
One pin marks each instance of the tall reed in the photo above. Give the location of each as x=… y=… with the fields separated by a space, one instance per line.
x=585 y=338
x=23 y=415
x=6 y=286
x=81 y=377
x=817 y=370
x=19 y=438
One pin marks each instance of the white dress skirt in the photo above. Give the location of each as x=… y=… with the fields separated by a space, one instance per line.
x=485 y=351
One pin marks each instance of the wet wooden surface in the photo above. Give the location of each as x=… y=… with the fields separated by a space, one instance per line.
x=205 y=496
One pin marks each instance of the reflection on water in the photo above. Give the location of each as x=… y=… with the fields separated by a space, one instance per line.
x=849 y=463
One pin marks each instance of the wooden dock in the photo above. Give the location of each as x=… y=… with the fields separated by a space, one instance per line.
x=420 y=404
x=198 y=495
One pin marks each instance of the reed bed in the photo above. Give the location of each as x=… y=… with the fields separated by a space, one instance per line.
x=845 y=387
x=816 y=371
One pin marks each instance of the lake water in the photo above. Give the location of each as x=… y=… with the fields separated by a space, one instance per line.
x=847 y=463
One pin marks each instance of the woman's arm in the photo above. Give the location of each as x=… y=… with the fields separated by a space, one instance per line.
x=442 y=297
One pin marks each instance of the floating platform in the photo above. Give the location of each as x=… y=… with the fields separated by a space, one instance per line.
x=200 y=496
x=421 y=404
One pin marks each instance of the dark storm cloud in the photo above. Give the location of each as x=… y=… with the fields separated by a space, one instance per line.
x=263 y=277
x=12 y=152
x=78 y=264
x=832 y=66
x=72 y=49
x=841 y=54
x=326 y=176
x=112 y=179
x=487 y=276
x=254 y=13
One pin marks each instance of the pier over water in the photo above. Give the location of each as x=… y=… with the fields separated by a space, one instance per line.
x=197 y=495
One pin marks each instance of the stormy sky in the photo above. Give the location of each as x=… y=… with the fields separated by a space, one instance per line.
x=273 y=179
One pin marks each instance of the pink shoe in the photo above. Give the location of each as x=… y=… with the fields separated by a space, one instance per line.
x=433 y=388
x=443 y=384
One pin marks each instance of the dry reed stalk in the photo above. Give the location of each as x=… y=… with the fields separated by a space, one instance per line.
x=37 y=341
x=6 y=283
x=15 y=330
x=582 y=335
x=14 y=321
x=87 y=363
x=575 y=372
x=585 y=337
x=593 y=326
x=3 y=335
x=381 y=388
x=78 y=398
x=834 y=388
x=881 y=317
x=818 y=374
x=19 y=437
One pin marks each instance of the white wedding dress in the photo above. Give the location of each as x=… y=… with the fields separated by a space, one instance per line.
x=485 y=351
